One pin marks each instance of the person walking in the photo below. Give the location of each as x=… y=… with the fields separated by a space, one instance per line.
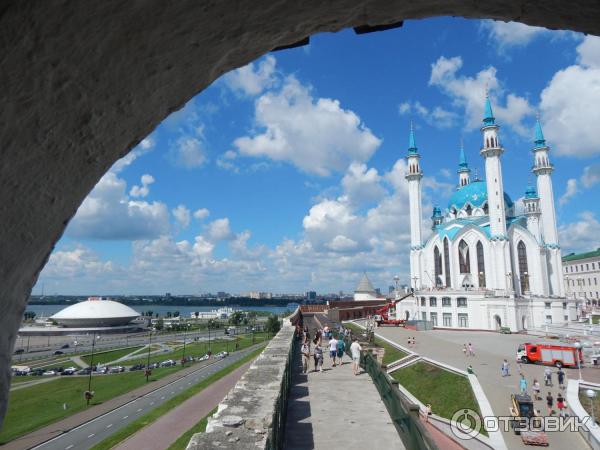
x=523 y=385
x=560 y=404
x=319 y=358
x=471 y=350
x=465 y=350
x=505 y=367
x=341 y=346
x=333 y=343
x=305 y=350
x=547 y=377
x=355 y=350
x=536 y=389
x=550 y=403
x=561 y=378
x=409 y=341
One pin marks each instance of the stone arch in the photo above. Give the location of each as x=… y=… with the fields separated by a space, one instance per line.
x=524 y=322
x=136 y=62
x=497 y=322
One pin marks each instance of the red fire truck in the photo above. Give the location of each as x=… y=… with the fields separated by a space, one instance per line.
x=550 y=354
x=387 y=314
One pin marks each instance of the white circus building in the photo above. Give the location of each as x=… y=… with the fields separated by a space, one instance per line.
x=483 y=266
x=95 y=312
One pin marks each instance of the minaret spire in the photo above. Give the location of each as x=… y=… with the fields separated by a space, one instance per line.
x=412 y=146
x=463 y=168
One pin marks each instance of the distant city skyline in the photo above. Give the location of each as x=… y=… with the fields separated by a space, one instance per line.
x=287 y=175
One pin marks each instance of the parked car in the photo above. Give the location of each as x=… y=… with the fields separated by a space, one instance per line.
x=153 y=366
x=19 y=351
x=36 y=372
x=69 y=371
x=167 y=363
x=137 y=367
x=203 y=358
x=85 y=371
x=116 y=369
x=59 y=352
x=101 y=370
x=49 y=373
x=221 y=355
x=65 y=346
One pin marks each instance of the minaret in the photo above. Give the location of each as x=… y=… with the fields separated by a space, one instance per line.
x=413 y=177
x=543 y=170
x=436 y=217
x=464 y=172
x=531 y=201
x=492 y=151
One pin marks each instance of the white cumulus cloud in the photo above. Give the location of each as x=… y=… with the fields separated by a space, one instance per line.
x=187 y=152
x=144 y=189
x=201 y=214
x=182 y=216
x=510 y=34
x=253 y=78
x=316 y=135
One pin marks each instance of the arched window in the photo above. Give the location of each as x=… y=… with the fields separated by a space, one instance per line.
x=480 y=264
x=437 y=259
x=486 y=209
x=469 y=210
x=463 y=257
x=447 y=262
x=523 y=272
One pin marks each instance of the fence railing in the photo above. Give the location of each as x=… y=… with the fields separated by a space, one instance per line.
x=404 y=414
x=276 y=437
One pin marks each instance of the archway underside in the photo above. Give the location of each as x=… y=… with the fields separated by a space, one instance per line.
x=84 y=82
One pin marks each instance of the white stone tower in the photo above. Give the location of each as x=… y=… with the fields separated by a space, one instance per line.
x=542 y=168
x=502 y=278
x=464 y=173
x=531 y=201
x=414 y=177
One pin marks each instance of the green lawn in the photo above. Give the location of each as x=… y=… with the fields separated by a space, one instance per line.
x=184 y=439
x=447 y=392
x=150 y=417
x=106 y=357
x=391 y=353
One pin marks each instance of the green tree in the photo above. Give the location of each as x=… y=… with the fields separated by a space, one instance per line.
x=159 y=325
x=236 y=318
x=176 y=314
x=273 y=326
x=29 y=315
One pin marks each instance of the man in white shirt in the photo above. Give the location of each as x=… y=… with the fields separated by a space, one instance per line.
x=355 y=350
x=333 y=343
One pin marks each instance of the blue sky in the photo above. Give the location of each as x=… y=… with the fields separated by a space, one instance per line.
x=288 y=174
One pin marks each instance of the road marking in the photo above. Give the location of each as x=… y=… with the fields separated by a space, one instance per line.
x=139 y=410
x=172 y=392
x=109 y=425
x=125 y=417
x=163 y=397
x=92 y=435
x=189 y=383
x=151 y=403
x=70 y=446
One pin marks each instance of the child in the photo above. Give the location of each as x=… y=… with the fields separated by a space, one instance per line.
x=465 y=349
x=560 y=404
x=319 y=358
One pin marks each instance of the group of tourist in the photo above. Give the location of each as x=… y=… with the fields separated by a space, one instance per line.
x=336 y=347
x=561 y=403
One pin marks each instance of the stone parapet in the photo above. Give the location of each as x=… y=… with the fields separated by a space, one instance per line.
x=244 y=419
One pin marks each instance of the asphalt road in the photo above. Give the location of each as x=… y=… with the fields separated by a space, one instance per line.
x=108 y=343
x=91 y=433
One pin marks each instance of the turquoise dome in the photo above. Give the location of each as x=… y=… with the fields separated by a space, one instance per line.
x=474 y=193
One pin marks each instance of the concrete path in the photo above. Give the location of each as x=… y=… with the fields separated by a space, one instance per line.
x=160 y=434
x=26 y=384
x=336 y=410
x=491 y=349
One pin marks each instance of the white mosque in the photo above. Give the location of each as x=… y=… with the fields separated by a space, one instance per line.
x=484 y=266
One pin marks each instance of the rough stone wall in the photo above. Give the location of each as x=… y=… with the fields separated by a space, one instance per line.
x=244 y=417
x=82 y=82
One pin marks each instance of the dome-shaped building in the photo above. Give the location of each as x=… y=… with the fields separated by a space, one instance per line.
x=95 y=312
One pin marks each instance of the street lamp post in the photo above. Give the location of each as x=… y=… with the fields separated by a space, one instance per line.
x=184 y=339
x=148 y=359
x=88 y=394
x=577 y=349
x=591 y=394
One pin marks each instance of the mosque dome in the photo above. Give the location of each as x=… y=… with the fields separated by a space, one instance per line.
x=475 y=194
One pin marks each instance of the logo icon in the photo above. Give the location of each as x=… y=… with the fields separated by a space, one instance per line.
x=465 y=424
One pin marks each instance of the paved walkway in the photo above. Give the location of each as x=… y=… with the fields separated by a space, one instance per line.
x=490 y=349
x=160 y=434
x=336 y=410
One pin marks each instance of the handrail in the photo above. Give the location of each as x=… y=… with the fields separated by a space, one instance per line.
x=404 y=415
